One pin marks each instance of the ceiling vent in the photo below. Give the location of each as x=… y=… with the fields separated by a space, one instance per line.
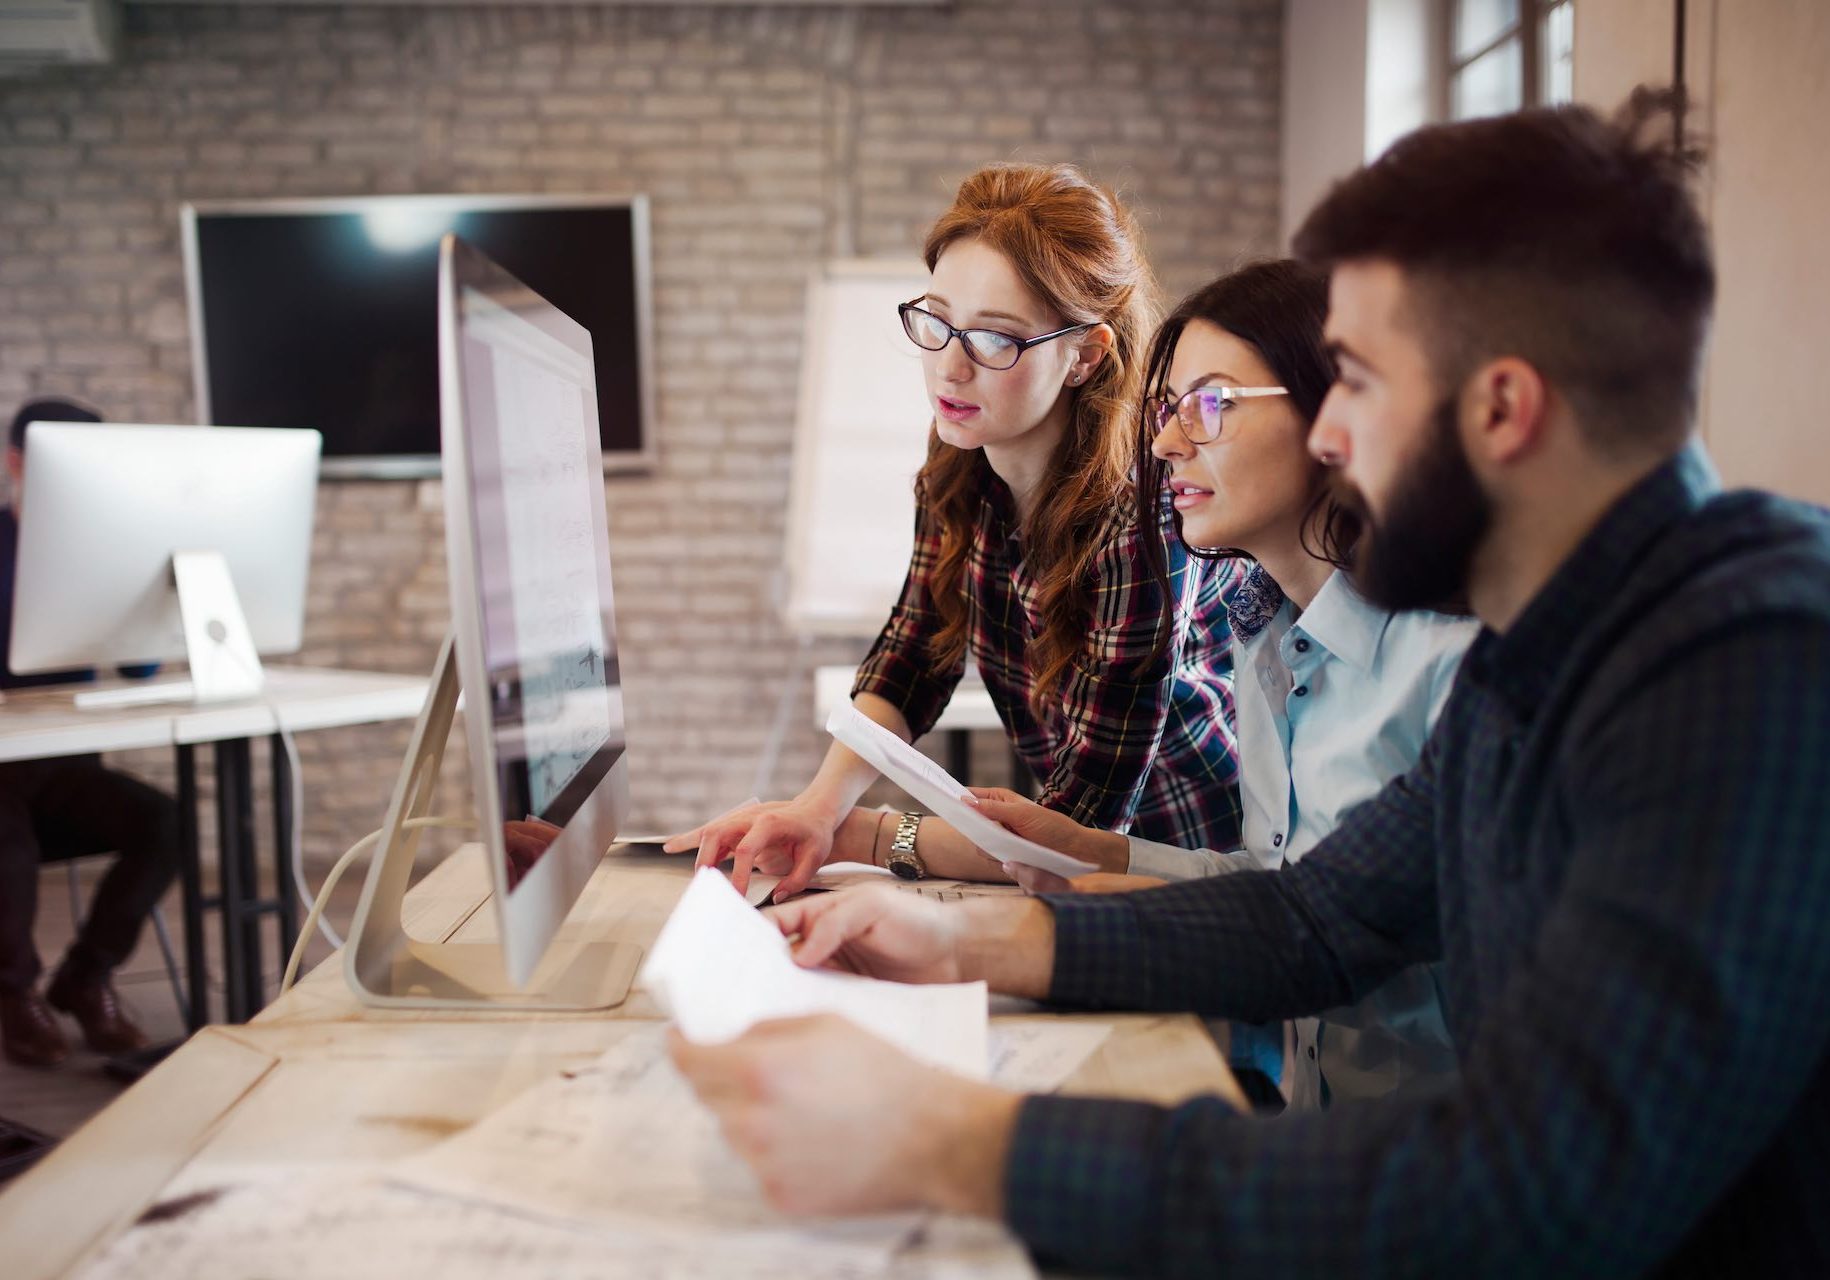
x=36 y=33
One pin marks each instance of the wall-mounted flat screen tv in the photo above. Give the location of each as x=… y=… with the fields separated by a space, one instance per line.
x=324 y=314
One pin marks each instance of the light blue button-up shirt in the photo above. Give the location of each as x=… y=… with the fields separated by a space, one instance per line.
x=1332 y=704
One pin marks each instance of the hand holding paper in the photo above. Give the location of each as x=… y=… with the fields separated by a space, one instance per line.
x=719 y=967
x=943 y=795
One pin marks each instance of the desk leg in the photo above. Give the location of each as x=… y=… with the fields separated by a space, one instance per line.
x=240 y=879
x=190 y=871
x=959 y=754
x=282 y=844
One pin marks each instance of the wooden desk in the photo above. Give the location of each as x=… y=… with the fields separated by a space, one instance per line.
x=317 y=1080
x=40 y=723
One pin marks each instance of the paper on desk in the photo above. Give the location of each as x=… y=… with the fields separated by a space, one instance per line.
x=626 y=1139
x=934 y=787
x=719 y=966
x=345 y=1226
x=1038 y=1055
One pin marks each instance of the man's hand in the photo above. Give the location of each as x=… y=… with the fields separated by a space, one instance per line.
x=835 y=1121
x=787 y=838
x=1007 y=942
x=1106 y=850
x=875 y=931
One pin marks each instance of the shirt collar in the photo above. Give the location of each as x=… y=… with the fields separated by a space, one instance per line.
x=1252 y=606
x=1521 y=664
x=1342 y=622
x=999 y=505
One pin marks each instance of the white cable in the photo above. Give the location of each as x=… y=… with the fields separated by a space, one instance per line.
x=336 y=873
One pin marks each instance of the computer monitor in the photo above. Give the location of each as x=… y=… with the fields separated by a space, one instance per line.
x=151 y=543
x=533 y=649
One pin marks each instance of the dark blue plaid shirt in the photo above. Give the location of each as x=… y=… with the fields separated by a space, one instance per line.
x=1617 y=842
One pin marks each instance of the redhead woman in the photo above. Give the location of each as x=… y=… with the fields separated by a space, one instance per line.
x=1032 y=557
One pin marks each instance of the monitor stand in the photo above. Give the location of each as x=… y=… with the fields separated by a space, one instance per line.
x=217 y=643
x=388 y=968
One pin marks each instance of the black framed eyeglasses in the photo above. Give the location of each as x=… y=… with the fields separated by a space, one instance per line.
x=1201 y=411
x=987 y=348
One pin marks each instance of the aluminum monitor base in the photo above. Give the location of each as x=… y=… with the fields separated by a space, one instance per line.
x=387 y=968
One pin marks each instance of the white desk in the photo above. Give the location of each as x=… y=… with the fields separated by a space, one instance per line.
x=40 y=723
x=318 y=1081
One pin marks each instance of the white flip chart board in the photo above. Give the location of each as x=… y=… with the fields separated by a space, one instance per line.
x=861 y=435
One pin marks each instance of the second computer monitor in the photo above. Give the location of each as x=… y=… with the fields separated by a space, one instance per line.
x=104 y=509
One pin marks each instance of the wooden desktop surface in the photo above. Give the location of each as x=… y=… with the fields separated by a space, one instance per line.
x=318 y=1080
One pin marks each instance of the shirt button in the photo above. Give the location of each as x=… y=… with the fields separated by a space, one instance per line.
x=1312 y=1053
x=1302 y=646
x=1301 y=691
x=1277 y=841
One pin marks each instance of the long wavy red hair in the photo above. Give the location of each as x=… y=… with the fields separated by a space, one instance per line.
x=1078 y=250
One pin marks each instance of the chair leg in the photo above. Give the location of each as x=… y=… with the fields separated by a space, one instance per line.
x=171 y=958
x=75 y=880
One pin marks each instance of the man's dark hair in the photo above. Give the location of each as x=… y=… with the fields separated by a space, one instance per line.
x=1552 y=235
x=47 y=410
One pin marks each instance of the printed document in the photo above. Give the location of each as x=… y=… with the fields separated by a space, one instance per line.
x=934 y=787
x=720 y=966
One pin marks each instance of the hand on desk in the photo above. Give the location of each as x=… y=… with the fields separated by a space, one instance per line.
x=835 y=1121
x=786 y=838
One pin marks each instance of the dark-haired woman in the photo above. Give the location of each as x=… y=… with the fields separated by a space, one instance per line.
x=1334 y=696
x=1113 y=681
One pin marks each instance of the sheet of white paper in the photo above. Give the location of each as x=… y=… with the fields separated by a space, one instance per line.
x=934 y=787
x=849 y=875
x=1034 y=1056
x=719 y=966
x=360 y=1227
x=625 y=1138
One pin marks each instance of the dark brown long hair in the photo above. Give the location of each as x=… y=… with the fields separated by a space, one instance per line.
x=1278 y=308
x=1077 y=250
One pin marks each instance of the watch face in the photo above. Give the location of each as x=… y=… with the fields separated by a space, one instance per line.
x=904 y=868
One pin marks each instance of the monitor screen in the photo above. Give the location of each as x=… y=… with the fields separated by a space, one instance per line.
x=527 y=538
x=321 y=313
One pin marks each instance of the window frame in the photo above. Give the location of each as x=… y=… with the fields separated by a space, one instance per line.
x=1528 y=28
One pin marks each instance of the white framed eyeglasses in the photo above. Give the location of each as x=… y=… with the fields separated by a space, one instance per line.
x=1202 y=412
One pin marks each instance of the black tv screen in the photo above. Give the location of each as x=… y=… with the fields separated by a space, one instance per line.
x=323 y=314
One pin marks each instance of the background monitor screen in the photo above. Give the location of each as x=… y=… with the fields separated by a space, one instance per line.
x=110 y=505
x=321 y=314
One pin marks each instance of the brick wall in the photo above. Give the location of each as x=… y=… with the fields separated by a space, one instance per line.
x=767 y=138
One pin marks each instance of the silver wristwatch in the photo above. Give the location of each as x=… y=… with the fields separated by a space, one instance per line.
x=901 y=859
